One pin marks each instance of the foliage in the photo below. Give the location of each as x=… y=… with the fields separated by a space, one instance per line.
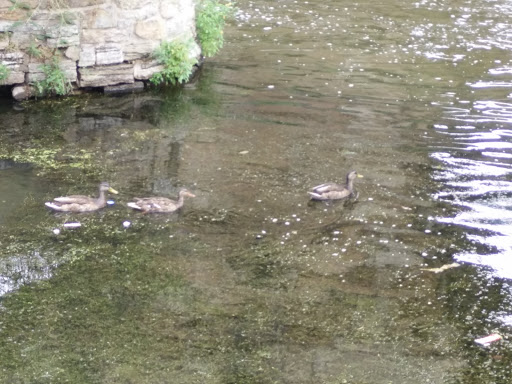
x=210 y=21
x=55 y=82
x=178 y=64
x=18 y=5
x=34 y=51
x=4 y=73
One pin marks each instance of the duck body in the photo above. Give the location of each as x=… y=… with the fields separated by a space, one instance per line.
x=334 y=191
x=159 y=204
x=81 y=203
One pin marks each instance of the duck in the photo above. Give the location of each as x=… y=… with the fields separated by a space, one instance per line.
x=160 y=204
x=81 y=203
x=333 y=191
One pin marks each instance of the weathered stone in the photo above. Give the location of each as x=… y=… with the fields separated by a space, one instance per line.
x=4 y=40
x=170 y=9
x=125 y=88
x=7 y=4
x=105 y=75
x=36 y=73
x=102 y=36
x=15 y=77
x=97 y=33
x=87 y=55
x=138 y=50
x=62 y=42
x=109 y=54
x=72 y=53
x=150 y=29
x=15 y=62
x=131 y=4
x=63 y=36
x=85 y=3
x=69 y=68
x=12 y=59
x=144 y=13
x=100 y=18
x=143 y=70
x=22 y=92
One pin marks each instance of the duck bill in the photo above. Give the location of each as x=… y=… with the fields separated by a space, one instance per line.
x=112 y=190
x=360 y=176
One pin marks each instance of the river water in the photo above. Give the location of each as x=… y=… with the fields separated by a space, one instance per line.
x=251 y=282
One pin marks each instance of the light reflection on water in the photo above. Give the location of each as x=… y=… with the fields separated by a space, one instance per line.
x=476 y=177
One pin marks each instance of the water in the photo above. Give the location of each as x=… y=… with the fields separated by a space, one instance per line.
x=251 y=282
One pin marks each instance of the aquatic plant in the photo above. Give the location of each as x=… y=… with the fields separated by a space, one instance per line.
x=177 y=61
x=210 y=21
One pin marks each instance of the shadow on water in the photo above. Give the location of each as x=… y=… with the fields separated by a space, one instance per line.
x=251 y=282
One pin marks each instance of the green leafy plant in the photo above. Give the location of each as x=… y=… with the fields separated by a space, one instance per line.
x=4 y=72
x=34 y=51
x=18 y=5
x=210 y=21
x=177 y=61
x=55 y=82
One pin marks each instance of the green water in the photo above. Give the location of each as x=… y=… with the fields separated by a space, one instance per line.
x=251 y=282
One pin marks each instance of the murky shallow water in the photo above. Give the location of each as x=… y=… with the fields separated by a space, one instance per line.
x=252 y=282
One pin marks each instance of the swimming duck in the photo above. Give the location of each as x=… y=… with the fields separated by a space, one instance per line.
x=333 y=191
x=160 y=204
x=81 y=203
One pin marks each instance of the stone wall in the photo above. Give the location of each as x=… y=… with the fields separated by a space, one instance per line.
x=99 y=43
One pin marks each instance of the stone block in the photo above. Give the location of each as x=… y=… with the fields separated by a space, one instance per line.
x=143 y=70
x=15 y=77
x=139 y=49
x=72 y=53
x=87 y=55
x=150 y=29
x=36 y=73
x=60 y=36
x=102 y=36
x=109 y=54
x=146 y=12
x=15 y=62
x=169 y=9
x=85 y=3
x=105 y=75
x=132 y=4
x=22 y=92
x=100 y=18
x=124 y=88
x=4 y=40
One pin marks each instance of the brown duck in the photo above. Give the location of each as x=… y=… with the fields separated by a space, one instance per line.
x=333 y=191
x=160 y=204
x=81 y=203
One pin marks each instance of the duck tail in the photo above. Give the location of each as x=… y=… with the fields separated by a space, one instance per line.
x=134 y=206
x=53 y=206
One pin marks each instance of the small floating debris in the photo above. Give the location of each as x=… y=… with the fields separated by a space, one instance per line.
x=441 y=269
x=488 y=340
x=243 y=152
x=270 y=86
x=111 y=202
x=56 y=231
x=72 y=225
x=126 y=224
